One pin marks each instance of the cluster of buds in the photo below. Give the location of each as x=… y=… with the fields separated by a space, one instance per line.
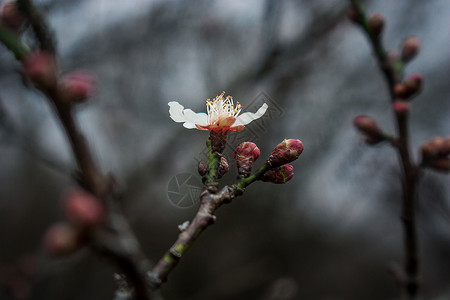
x=435 y=154
x=42 y=70
x=406 y=90
x=369 y=128
x=409 y=48
x=246 y=154
x=284 y=153
x=11 y=16
x=83 y=211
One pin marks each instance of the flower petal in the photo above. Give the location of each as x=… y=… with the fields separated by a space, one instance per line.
x=248 y=117
x=190 y=118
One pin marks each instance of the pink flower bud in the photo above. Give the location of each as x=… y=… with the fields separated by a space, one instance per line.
x=11 y=15
x=413 y=84
x=441 y=164
x=246 y=153
x=353 y=15
x=247 y=149
x=223 y=167
x=77 y=86
x=279 y=175
x=400 y=91
x=202 y=169
x=62 y=239
x=376 y=24
x=445 y=148
x=40 y=67
x=366 y=125
x=286 y=152
x=400 y=107
x=82 y=208
x=410 y=48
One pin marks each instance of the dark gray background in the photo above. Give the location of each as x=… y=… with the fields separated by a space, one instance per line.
x=327 y=234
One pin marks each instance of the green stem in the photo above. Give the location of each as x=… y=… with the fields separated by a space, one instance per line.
x=12 y=41
x=244 y=182
x=213 y=165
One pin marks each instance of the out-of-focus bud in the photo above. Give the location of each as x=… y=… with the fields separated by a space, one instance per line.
x=11 y=15
x=279 y=175
x=441 y=164
x=445 y=148
x=83 y=209
x=435 y=154
x=400 y=107
x=400 y=91
x=77 y=86
x=223 y=167
x=366 y=125
x=392 y=56
x=202 y=169
x=40 y=67
x=413 y=84
x=353 y=15
x=62 y=239
x=410 y=47
x=437 y=146
x=246 y=153
x=376 y=24
x=285 y=152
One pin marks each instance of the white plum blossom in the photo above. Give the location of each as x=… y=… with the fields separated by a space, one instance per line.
x=222 y=115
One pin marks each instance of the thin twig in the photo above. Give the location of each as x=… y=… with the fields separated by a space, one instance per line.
x=115 y=237
x=393 y=75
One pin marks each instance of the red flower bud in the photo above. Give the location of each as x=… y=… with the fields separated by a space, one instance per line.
x=77 y=86
x=82 y=208
x=40 y=67
x=410 y=48
x=246 y=153
x=11 y=15
x=223 y=167
x=202 y=169
x=353 y=15
x=286 y=152
x=413 y=84
x=366 y=125
x=376 y=24
x=441 y=164
x=436 y=147
x=62 y=239
x=247 y=149
x=279 y=175
x=400 y=91
x=400 y=107
x=445 y=148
